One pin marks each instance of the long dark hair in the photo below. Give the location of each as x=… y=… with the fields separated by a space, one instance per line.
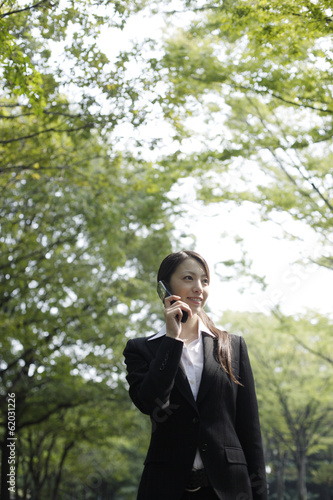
x=166 y=270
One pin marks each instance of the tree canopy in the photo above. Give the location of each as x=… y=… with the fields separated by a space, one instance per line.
x=258 y=74
x=83 y=228
x=295 y=400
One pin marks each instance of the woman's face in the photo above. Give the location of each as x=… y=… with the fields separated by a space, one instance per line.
x=191 y=283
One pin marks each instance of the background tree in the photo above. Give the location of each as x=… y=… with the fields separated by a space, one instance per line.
x=78 y=251
x=296 y=406
x=83 y=228
x=258 y=75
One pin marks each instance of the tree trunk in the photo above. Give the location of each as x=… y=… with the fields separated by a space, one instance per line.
x=280 y=477
x=5 y=494
x=61 y=464
x=301 y=480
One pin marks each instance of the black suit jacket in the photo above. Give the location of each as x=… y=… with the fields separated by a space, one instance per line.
x=223 y=422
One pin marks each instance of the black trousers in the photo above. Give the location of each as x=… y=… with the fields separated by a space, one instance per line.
x=202 y=494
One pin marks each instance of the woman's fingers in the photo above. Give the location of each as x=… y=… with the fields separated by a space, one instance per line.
x=170 y=300
x=175 y=307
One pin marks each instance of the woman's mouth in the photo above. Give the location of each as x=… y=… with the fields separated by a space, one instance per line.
x=196 y=300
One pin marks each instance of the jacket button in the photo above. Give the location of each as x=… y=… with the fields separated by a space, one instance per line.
x=204 y=447
x=195 y=420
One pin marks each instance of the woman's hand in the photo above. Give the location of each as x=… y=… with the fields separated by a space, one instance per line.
x=173 y=313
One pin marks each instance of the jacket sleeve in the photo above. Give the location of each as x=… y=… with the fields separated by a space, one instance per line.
x=248 y=426
x=152 y=379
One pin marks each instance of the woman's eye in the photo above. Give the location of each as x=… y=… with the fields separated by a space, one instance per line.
x=188 y=277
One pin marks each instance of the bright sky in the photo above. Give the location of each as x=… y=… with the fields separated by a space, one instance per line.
x=294 y=287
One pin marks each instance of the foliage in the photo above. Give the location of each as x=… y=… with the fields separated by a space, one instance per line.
x=84 y=451
x=59 y=39
x=81 y=239
x=257 y=77
x=294 y=395
x=83 y=229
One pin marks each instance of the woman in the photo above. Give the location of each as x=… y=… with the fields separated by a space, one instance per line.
x=196 y=383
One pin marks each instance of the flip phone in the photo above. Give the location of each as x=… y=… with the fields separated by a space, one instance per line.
x=163 y=292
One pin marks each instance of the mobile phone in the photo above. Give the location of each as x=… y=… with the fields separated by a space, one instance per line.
x=163 y=292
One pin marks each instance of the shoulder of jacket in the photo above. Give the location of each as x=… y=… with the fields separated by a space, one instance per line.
x=237 y=341
x=140 y=341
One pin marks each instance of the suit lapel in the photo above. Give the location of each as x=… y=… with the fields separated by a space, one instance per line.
x=211 y=366
x=181 y=381
x=183 y=386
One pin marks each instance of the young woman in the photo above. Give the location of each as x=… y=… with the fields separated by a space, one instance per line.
x=195 y=382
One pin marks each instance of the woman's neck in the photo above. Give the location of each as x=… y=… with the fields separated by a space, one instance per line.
x=190 y=329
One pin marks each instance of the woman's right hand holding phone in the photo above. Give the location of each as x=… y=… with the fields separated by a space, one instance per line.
x=173 y=313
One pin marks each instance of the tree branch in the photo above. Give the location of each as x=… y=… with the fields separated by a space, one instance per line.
x=195 y=9
x=52 y=113
x=54 y=410
x=313 y=351
x=277 y=159
x=31 y=7
x=31 y=167
x=31 y=136
x=307 y=178
x=280 y=317
x=41 y=251
x=321 y=110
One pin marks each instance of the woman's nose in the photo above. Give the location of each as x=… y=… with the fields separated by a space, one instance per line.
x=197 y=286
